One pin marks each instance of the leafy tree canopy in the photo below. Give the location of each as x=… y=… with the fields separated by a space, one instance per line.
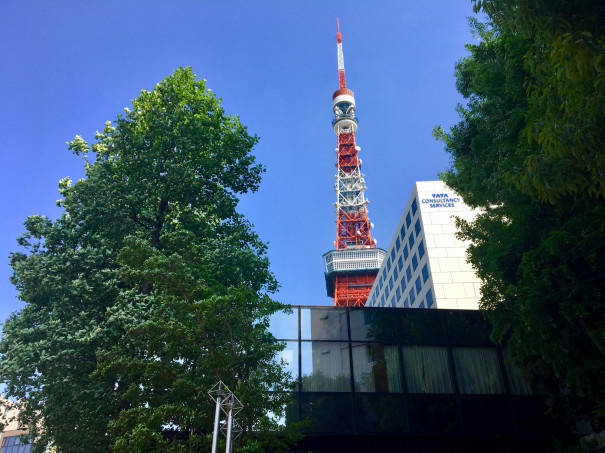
x=149 y=288
x=528 y=152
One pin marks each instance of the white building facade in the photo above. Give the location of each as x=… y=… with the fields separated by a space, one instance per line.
x=425 y=264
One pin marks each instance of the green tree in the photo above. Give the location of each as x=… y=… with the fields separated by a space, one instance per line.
x=565 y=85
x=539 y=242
x=149 y=288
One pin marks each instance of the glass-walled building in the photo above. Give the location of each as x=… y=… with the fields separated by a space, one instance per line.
x=404 y=377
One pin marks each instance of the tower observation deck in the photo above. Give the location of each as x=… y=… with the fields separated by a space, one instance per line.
x=351 y=269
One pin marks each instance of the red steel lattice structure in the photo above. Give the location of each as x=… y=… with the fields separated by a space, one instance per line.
x=350 y=269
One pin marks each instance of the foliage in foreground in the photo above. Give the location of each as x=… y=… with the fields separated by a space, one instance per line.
x=149 y=288
x=529 y=152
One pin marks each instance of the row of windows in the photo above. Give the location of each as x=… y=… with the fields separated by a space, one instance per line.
x=326 y=367
x=401 y=239
x=410 y=240
x=397 y=265
x=12 y=444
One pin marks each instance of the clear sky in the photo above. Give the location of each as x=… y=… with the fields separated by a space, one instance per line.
x=66 y=67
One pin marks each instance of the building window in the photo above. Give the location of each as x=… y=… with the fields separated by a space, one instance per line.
x=414 y=207
x=418 y=285
x=426 y=369
x=381 y=368
x=402 y=285
x=395 y=273
x=412 y=295
x=429 y=298
x=402 y=231
x=478 y=370
x=411 y=240
x=406 y=303
x=391 y=282
x=518 y=386
x=421 y=305
x=408 y=273
x=398 y=293
x=388 y=266
x=417 y=227
x=400 y=262
x=415 y=261
x=386 y=290
x=393 y=254
x=405 y=252
x=382 y=301
x=421 y=249
x=397 y=243
x=12 y=444
x=408 y=220
x=425 y=273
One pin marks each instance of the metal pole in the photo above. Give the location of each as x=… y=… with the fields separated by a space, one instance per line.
x=229 y=425
x=217 y=416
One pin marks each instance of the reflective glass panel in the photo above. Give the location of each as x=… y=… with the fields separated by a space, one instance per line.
x=376 y=368
x=372 y=324
x=478 y=370
x=429 y=299
x=468 y=328
x=283 y=325
x=426 y=369
x=290 y=356
x=433 y=415
x=323 y=324
x=325 y=366
x=380 y=413
x=402 y=285
x=518 y=385
x=327 y=412
x=486 y=415
x=421 y=327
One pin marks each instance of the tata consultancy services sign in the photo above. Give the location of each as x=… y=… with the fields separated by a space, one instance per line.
x=441 y=200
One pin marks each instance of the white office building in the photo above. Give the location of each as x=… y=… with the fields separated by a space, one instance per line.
x=425 y=265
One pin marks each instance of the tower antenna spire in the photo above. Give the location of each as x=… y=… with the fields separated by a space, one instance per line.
x=350 y=269
x=342 y=83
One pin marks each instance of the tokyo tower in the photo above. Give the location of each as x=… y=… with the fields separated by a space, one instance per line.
x=351 y=269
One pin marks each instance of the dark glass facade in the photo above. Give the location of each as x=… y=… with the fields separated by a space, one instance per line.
x=406 y=378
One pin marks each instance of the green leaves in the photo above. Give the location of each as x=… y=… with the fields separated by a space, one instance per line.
x=528 y=152
x=150 y=286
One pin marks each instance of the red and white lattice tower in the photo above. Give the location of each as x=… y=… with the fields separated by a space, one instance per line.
x=350 y=270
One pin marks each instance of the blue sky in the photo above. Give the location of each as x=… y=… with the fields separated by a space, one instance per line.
x=67 y=67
